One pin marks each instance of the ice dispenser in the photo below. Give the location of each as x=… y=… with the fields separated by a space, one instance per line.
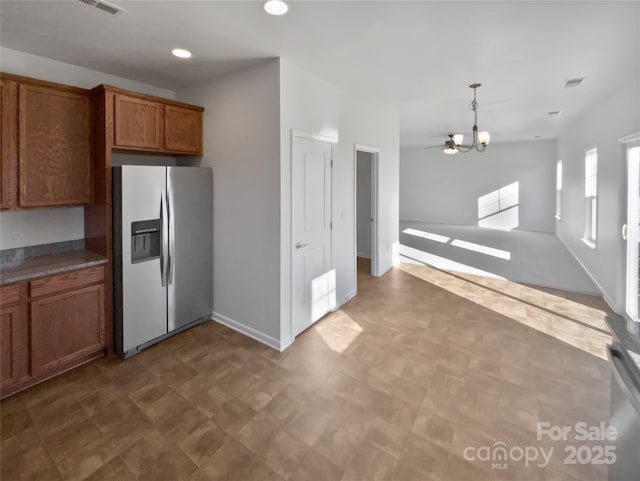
x=145 y=240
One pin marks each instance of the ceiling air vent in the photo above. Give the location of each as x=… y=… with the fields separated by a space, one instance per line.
x=573 y=82
x=104 y=6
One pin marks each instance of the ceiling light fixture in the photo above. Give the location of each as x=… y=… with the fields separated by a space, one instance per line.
x=275 y=7
x=181 y=53
x=480 y=139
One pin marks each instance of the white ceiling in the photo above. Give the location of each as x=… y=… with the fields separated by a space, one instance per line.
x=420 y=56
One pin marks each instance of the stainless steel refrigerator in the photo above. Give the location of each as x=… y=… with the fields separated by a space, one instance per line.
x=163 y=252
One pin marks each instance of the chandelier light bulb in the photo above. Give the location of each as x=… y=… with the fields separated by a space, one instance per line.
x=484 y=137
x=458 y=138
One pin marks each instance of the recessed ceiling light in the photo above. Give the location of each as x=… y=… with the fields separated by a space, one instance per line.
x=553 y=113
x=180 y=52
x=275 y=7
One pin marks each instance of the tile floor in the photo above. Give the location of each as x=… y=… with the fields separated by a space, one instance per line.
x=394 y=386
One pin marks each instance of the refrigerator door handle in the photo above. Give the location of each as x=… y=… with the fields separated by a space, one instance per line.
x=172 y=238
x=623 y=376
x=164 y=214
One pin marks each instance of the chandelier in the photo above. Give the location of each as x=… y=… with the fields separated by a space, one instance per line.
x=480 y=139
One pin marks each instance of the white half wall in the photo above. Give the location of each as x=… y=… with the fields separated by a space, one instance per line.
x=363 y=203
x=435 y=187
x=242 y=147
x=313 y=105
x=42 y=226
x=600 y=126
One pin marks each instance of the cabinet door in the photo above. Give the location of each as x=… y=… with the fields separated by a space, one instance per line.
x=182 y=130
x=66 y=327
x=54 y=146
x=8 y=143
x=138 y=123
x=14 y=346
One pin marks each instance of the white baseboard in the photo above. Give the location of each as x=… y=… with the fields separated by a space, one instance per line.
x=605 y=296
x=279 y=345
x=364 y=255
x=346 y=299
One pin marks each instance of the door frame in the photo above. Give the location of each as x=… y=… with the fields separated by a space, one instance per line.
x=375 y=164
x=629 y=142
x=318 y=138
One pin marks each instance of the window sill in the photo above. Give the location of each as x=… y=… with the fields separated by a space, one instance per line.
x=589 y=242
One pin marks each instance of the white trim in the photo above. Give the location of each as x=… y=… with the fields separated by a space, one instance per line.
x=311 y=136
x=279 y=345
x=589 y=242
x=375 y=211
x=630 y=139
x=346 y=299
x=631 y=242
x=604 y=294
x=364 y=255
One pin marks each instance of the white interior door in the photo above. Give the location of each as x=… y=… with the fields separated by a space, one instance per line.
x=631 y=231
x=313 y=278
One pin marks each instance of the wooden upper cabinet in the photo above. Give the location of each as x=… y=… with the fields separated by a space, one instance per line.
x=54 y=146
x=138 y=123
x=8 y=143
x=182 y=130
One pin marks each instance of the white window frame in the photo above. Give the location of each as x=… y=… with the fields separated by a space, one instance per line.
x=559 y=171
x=591 y=197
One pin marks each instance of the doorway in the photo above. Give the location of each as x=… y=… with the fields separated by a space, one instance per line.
x=631 y=230
x=313 y=292
x=366 y=209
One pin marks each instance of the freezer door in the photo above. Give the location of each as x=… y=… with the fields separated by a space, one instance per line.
x=190 y=276
x=144 y=298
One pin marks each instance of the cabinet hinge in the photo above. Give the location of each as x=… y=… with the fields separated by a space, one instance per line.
x=330 y=225
x=332 y=163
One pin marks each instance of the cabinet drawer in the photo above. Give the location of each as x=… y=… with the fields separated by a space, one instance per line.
x=66 y=281
x=9 y=295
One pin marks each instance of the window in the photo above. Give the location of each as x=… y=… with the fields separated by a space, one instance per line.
x=590 y=197
x=559 y=190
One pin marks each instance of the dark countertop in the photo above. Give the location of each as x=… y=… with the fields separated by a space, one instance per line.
x=627 y=333
x=44 y=265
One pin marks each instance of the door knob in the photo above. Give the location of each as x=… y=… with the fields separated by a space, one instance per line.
x=300 y=246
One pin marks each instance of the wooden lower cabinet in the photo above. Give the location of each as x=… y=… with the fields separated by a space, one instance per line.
x=14 y=346
x=42 y=336
x=66 y=327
